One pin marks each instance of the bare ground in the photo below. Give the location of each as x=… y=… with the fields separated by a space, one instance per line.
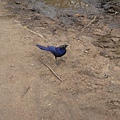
x=90 y=74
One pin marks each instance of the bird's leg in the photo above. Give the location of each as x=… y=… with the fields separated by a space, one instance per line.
x=56 y=61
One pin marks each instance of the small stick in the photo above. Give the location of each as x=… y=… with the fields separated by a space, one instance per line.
x=26 y=91
x=8 y=15
x=39 y=35
x=89 y=23
x=51 y=71
x=30 y=30
x=34 y=32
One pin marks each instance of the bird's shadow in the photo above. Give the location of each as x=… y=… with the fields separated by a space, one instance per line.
x=60 y=61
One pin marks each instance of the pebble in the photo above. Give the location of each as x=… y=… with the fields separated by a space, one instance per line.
x=115 y=39
x=112 y=81
x=104 y=53
x=105 y=75
x=86 y=51
x=12 y=65
x=115 y=32
x=32 y=64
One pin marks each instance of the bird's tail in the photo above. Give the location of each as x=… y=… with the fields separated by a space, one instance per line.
x=42 y=47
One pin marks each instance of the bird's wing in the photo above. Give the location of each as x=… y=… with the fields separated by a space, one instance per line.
x=52 y=49
x=57 y=51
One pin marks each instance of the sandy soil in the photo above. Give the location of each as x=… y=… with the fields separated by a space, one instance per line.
x=90 y=73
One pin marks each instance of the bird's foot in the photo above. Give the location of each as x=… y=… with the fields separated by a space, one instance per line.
x=57 y=63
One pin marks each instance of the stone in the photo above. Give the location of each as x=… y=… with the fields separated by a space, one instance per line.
x=115 y=32
x=115 y=39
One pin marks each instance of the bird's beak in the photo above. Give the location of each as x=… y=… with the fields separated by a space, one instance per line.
x=66 y=46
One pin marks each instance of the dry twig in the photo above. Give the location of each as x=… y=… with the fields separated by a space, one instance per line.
x=34 y=32
x=51 y=71
x=89 y=23
x=26 y=91
x=39 y=35
x=7 y=16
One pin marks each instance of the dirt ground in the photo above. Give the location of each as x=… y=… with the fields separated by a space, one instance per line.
x=90 y=70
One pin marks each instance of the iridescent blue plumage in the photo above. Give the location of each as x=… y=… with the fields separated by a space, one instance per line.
x=56 y=51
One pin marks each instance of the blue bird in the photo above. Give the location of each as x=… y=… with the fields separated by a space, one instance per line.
x=56 y=51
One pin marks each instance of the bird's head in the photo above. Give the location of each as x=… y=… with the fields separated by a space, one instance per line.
x=63 y=46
